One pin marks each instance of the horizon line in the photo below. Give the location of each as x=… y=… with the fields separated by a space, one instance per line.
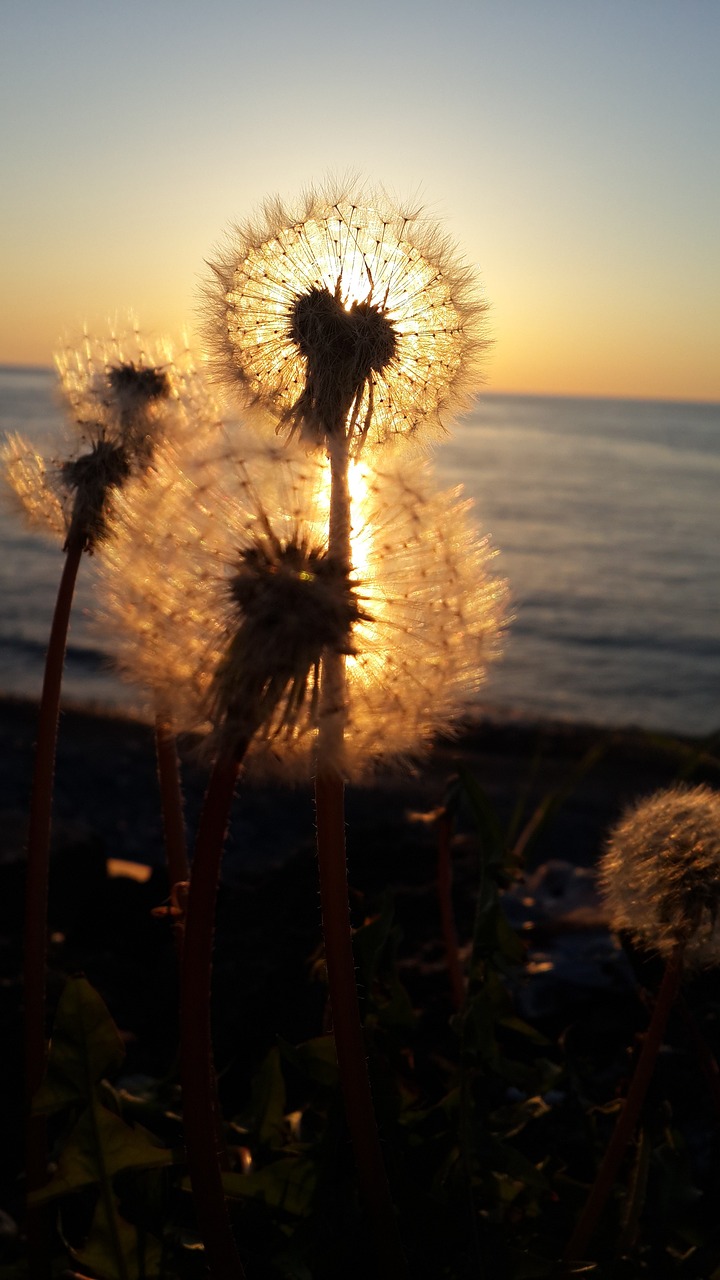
x=31 y=367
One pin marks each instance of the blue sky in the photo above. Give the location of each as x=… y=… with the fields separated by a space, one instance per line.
x=569 y=146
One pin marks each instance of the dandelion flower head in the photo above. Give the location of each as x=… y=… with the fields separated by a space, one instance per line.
x=121 y=394
x=233 y=602
x=660 y=874
x=346 y=316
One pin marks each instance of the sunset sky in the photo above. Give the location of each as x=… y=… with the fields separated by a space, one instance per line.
x=569 y=146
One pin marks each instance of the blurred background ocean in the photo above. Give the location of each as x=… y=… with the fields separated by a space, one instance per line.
x=606 y=517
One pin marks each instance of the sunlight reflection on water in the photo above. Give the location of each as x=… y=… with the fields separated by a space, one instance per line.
x=606 y=518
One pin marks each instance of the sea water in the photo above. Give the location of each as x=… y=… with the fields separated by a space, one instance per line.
x=606 y=521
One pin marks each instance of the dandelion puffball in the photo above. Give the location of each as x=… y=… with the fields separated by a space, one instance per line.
x=220 y=594
x=121 y=394
x=660 y=874
x=346 y=317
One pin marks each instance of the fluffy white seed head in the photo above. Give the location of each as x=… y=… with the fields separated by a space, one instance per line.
x=121 y=395
x=171 y=589
x=31 y=486
x=346 y=315
x=660 y=874
x=220 y=596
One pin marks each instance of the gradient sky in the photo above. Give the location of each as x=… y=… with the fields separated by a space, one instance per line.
x=569 y=146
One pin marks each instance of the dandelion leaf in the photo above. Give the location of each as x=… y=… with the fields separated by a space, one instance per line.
x=116 y=1250
x=85 y=1046
x=267 y=1102
x=487 y=824
x=370 y=941
x=315 y=1059
x=100 y=1145
x=288 y=1184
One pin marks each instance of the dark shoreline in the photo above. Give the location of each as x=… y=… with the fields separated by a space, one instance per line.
x=106 y=785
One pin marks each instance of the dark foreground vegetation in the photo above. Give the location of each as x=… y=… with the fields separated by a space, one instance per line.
x=494 y=1108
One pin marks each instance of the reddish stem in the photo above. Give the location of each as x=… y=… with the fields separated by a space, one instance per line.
x=347 y=1027
x=630 y=1112
x=447 y=918
x=36 y=902
x=171 y=800
x=201 y=1120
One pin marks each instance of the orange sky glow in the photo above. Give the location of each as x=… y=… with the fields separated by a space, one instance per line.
x=570 y=153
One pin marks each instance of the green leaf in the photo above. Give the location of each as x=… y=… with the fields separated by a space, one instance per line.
x=267 y=1101
x=287 y=1184
x=370 y=941
x=115 y=1250
x=85 y=1046
x=315 y=1059
x=100 y=1145
x=489 y=831
x=513 y=1023
x=504 y=1159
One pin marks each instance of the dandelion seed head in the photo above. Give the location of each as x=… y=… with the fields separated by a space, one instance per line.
x=219 y=595
x=90 y=479
x=29 y=489
x=346 y=315
x=122 y=395
x=293 y=605
x=660 y=874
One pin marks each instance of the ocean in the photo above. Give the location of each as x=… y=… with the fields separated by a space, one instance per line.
x=606 y=519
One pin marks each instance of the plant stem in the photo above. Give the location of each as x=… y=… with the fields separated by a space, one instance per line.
x=347 y=1027
x=171 y=799
x=337 y=929
x=201 y=1119
x=630 y=1111
x=36 y=902
x=447 y=919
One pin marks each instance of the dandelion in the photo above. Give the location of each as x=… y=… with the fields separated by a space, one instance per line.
x=118 y=395
x=234 y=597
x=217 y=591
x=660 y=880
x=346 y=317
x=346 y=323
x=660 y=874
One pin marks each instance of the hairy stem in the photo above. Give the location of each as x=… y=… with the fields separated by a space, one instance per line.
x=36 y=902
x=447 y=918
x=201 y=1120
x=347 y=1027
x=630 y=1112
x=337 y=930
x=171 y=799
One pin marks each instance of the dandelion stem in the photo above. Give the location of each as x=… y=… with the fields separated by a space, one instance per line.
x=447 y=919
x=337 y=929
x=36 y=901
x=347 y=1027
x=630 y=1110
x=200 y=1109
x=171 y=799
